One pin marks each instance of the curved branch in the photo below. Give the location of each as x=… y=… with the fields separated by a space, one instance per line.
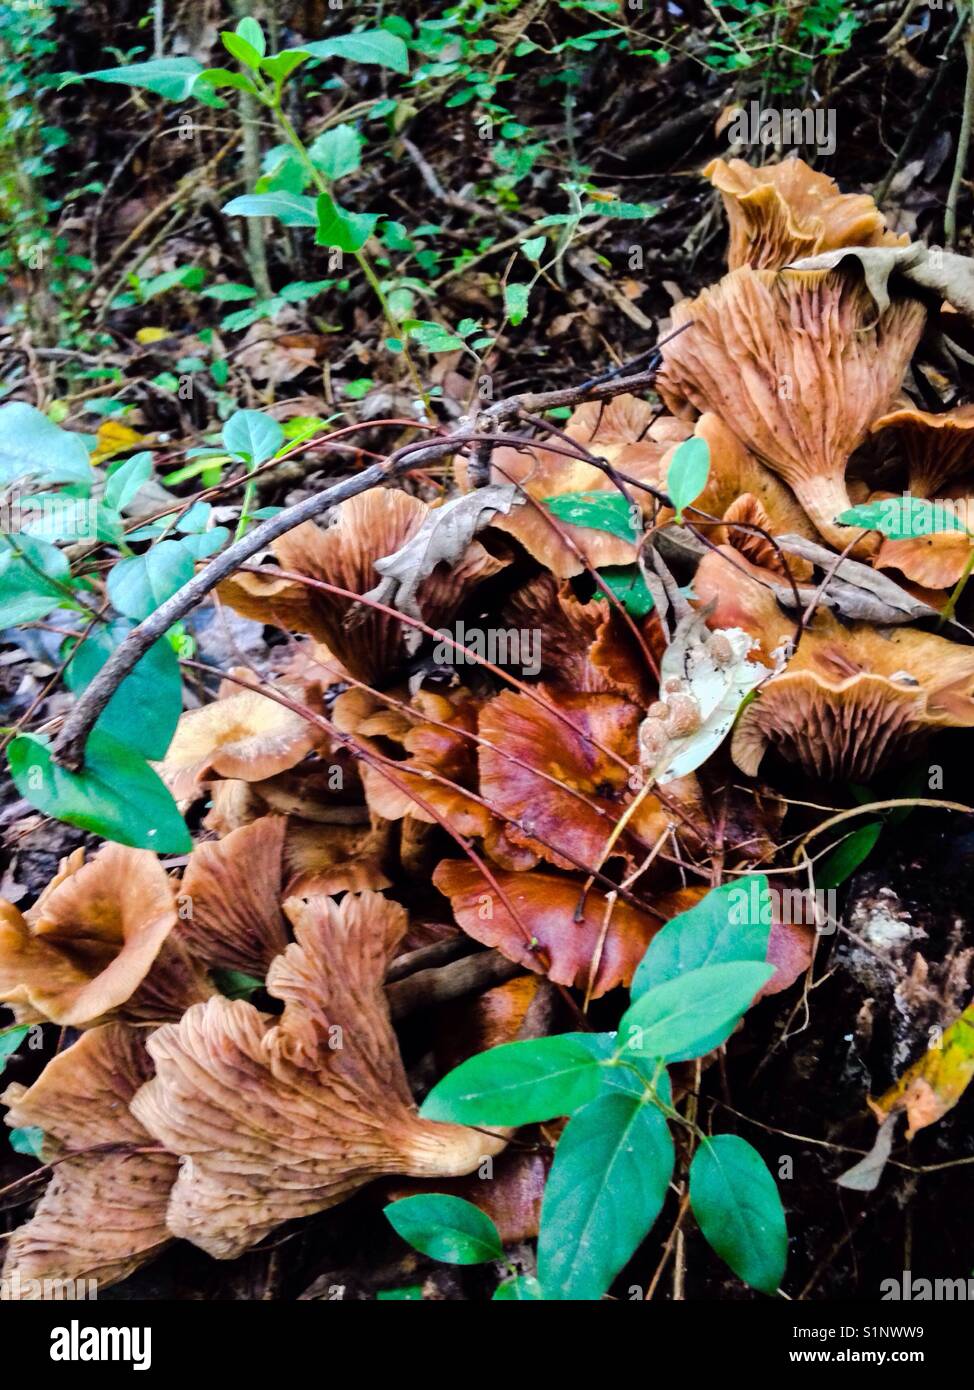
x=69 y=746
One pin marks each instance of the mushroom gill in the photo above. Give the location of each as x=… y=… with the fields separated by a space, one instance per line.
x=364 y=529
x=98 y=943
x=781 y=212
x=103 y=1212
x=279 y=1118
x=797 y=365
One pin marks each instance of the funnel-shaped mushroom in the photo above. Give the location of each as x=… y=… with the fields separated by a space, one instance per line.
x=366 y=528
x=939 y=453
x=230 y=898
x=245 y=736
x=852 y=698
x=937 y=449
x=277 y=1119
x=104 y=1211
x=571 y=780
x=780 y=212
x=735 y=474
x=98 y=942
x=798 y=365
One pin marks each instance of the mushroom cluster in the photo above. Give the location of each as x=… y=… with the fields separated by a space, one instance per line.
x=408 y=753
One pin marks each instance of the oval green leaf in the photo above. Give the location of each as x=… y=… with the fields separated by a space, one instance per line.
x=608 y=1182
x=522 y=1083
x=735 y=1201
x=698 y=1010
x=446 y=1228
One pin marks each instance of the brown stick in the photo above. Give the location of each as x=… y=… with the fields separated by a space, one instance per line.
x=70 y=744
x=429 y=987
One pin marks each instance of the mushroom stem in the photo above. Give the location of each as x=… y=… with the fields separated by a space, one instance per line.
x=824 y=498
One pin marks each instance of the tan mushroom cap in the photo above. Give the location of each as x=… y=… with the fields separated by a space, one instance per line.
x=937 y=448
x=103 y=1213
x=798 y=365
x=230 y=898
x=365 y=528
x=279 y=1118
x=934 y=561
x=246 y=736
x=736 y=474
x=781 y=212
x=98 y=942
x=852 y=698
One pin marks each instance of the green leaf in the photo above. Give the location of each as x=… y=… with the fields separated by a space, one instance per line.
x=251 y=32
x=608 y=1182
x=845 y=859
x=173 y=78
x=126 y=480
x=522 y=1083
x=293 y=209
x=337 y=151
x=27 y=590
x=629 y=587
x=10 y=1040
x=524 y=1288
x=733 y=922
x=223 y=77
x=446 y=1228
x=377 y=46
x=252 y=436
x=516 y=302
x=228 y=292
x=140 y=583
x=431 y=336
x=239 y=48
x=687 y=474
x=236 y=984
x=599 y=511
x=297 y=291
x=902 y=518
x=533 y=247
x=280 y=67
x=116 y=794
x=145 y=709
x=348 y=231
x=31 y=445
x=683 y=1017
x=735 y=1201
x=410 y=1293
x=27 y=1140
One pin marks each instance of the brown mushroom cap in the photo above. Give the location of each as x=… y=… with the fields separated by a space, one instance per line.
x=279 y=1118
x=937 y=448
x=797 y=365
x=852 y=698
x=98 y=942
x=623 y=430
x=246 y=736
x=364 y=529
x=781 y=212
x=103 y=1213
